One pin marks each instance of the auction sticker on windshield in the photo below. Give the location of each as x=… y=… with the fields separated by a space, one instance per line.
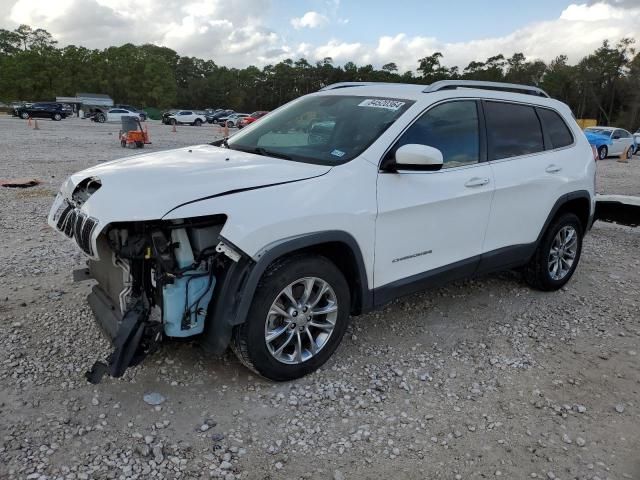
x=380 y=103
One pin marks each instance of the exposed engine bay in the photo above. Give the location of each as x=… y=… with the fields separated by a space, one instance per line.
x=155 y=279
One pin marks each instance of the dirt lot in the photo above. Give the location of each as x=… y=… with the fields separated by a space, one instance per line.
x=481 y=379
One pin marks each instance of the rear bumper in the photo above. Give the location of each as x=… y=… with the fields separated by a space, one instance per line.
x=106 y=313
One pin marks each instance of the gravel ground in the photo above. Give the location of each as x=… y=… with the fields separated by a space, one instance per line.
x=481 y=379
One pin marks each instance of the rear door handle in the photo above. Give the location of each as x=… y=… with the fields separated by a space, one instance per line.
x=552 y=169
x=476 y=182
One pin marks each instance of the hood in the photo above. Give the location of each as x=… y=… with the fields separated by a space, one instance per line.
x=146 y=187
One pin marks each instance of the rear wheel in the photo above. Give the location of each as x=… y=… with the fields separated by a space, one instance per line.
x=557 y=255
x=603 y=151
x=101 y=118
x=198 y=122
x=173 y=121
x=57 y=117
x=629 y=152
x=297 y=319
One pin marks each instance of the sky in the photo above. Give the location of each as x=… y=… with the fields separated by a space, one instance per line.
x=238 y=33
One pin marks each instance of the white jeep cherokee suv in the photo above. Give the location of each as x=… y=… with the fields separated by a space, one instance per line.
x=334 y=204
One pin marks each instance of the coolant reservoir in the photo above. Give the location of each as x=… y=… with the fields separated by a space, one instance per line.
x=185 y=302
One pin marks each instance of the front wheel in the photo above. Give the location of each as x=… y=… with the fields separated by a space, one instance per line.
x=557 y=255
x=629 y=152
x=297 y=318
x=173 y=121
x=24 y=115
x=198 y=122
x=57 y=117
x=101 y=118
x=603 y=151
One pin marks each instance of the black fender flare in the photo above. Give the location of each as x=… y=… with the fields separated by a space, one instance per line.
x=239 y=283
x=567 y=197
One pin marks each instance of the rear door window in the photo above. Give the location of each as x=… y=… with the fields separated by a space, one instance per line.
x=557 y=130
x=512 y=130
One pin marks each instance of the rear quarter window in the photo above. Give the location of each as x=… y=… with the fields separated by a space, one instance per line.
x=557 y=130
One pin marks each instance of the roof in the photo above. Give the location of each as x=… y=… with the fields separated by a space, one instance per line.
x=422 y=94
x=94 y=95
x=602 y=128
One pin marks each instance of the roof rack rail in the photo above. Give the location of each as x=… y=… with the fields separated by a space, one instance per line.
x=500 y=86
x=335 y=86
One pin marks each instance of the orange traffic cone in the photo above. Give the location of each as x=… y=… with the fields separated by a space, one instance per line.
x=29 y=122
x=623 y=156
x=225 y=131
x=35 y=124
x=146 y=134
x=174 y=128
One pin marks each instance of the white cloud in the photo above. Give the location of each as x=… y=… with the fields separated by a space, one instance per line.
x=578 y=31
x=213 y=29
x=309 y=20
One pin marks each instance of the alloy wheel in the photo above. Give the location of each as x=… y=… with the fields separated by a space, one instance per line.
x=301 y=320
x=563 y=252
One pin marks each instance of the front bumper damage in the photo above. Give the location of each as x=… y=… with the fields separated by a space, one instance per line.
x=155 y=279
x=134 y=337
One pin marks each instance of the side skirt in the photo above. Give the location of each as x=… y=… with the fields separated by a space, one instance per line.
x=494 y=261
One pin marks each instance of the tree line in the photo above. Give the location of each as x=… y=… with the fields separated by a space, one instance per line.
x=604 y=85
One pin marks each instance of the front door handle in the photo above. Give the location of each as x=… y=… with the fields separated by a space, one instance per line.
x=476 y=182
x=553 y=168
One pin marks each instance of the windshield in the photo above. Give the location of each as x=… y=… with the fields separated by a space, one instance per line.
x=324 y=129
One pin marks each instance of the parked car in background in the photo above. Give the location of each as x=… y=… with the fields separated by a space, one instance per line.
x=232 y=120
x=262 y=242
x=68 y=109
x=138 y=111
x=115 y=114
x=167 y=114
x=621 y=141
x=215 y=117
x=636 y=138
x=182 y=117
x=52 y=110
x=251 y=118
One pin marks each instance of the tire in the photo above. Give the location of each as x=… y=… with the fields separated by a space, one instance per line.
x=57 y=117
x=230 y=125
x=173 y=121
x=24 y=115
x=139 y=144
x=603 y=151
x=249 y=339
x=101 y=118
x=123 y=143
x=198 y=122
x=629 y=152
x=539 y=272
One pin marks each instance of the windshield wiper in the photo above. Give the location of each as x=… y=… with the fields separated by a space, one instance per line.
x=267 y=153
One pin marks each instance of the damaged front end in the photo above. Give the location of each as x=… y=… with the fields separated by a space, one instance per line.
x=154 y=279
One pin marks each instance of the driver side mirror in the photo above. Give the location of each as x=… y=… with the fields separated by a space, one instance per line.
x=414 y=156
